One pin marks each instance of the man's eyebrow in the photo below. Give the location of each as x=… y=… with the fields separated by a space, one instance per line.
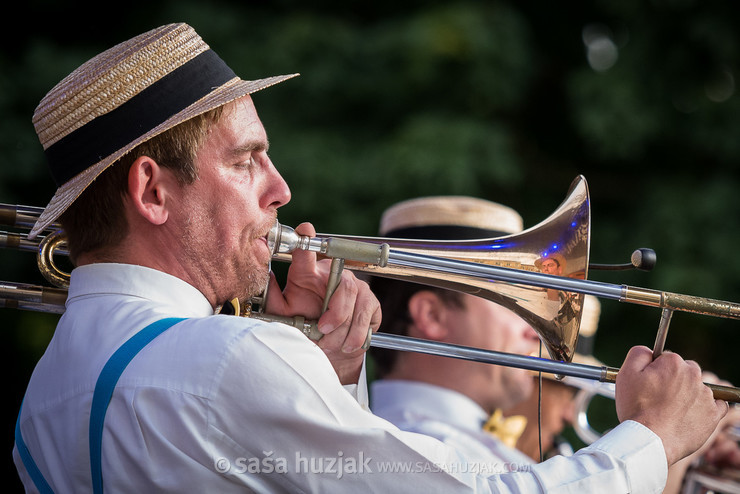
x=251 y=147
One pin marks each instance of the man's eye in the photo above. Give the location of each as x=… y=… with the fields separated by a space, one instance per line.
x=248 y=163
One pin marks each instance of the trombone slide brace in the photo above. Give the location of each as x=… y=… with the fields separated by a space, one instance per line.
x=308 y=327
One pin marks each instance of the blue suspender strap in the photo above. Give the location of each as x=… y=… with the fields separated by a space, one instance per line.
x=101 y=398
x=107 y=383
x=31 y=468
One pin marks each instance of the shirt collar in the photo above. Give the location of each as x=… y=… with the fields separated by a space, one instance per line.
x=141 y=282
x=393 y=397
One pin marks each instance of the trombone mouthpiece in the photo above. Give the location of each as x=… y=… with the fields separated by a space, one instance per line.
x=284 y=240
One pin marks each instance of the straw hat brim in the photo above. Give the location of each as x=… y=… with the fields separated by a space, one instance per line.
x=423 y=216
x=67 y=193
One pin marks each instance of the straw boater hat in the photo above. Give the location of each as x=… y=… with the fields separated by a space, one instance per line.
x=125 y=96
x=449 y=218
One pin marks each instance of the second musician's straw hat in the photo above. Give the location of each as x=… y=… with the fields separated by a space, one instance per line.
x=449 y=218
x=125 y=96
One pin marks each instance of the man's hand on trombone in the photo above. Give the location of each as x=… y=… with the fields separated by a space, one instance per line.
x=668 y=396
x=352 y=308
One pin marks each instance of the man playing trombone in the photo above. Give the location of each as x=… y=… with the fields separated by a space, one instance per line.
x=456 y=401
x=451 y=399
x=166 y=193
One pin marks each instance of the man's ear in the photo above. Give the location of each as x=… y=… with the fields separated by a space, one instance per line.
x=148 y=190
x=429 y=315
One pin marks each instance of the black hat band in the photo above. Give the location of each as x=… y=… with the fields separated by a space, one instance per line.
x=121 y=126
x=444 y=232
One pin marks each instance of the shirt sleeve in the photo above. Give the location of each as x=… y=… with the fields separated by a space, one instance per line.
x=630 y=458
x=280 y=411
x=359 y=391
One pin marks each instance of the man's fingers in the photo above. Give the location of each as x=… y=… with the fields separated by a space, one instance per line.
x=364 y=320
x=341 y=305
x=351 y=312
x=303 y=258
x=638 y=358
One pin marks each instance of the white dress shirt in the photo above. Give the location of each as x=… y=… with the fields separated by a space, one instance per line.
x=456 y=420
x=447 y=415
x=228 y=404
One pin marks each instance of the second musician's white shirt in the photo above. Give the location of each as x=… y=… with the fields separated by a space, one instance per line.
x=447 y=415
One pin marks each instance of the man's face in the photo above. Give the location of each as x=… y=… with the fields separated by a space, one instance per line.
x=484 y=324
x=225 y=215
x=551 y=266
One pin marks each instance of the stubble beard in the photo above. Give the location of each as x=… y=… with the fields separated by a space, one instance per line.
x=235 y=275
x=255 y=283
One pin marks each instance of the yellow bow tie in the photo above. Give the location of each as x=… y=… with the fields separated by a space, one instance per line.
x=506 y=429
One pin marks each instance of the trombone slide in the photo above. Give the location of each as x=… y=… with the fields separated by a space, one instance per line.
x=409 y=344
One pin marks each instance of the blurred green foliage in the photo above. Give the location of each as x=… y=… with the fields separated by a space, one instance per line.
x=508 y=101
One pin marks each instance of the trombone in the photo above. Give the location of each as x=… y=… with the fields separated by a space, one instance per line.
x=506 y=270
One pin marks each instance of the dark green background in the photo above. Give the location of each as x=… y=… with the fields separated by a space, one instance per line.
x=491 y=99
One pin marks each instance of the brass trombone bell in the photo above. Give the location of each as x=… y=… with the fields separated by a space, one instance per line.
x=557 y=248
